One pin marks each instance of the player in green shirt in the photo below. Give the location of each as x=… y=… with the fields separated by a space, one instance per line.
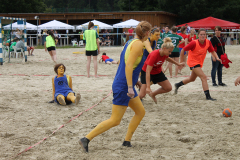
x=92 y=47
x=50 y=46
x=166 y=33
x=176 y=40
x=159 y=43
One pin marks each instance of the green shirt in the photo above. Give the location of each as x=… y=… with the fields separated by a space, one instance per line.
x=50 y=42
x=175 y=40
x=159 y=43
x=91 y=39
x=13 y=44
x=164 y=35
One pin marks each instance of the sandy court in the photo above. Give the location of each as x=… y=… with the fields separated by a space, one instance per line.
x=182 y=126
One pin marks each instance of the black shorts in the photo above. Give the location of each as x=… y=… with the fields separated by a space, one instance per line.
x=155 y=78
x=174 y=54
x=92 y=53
x=231 y=39
x=51 y=48
x=198 y=65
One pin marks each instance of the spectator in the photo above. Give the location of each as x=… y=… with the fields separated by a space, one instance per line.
x=18 y=33
x=44 y=36
x=188 y=28
x=30 y=50
x=124 y=37
x=232 y=37
x=20 y=44
x=15 y=40
x=130 y=31
x=219 y=47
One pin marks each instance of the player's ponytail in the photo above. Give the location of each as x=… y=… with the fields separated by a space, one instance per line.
x=90 y=24
x=142 y=28
x=167 y=43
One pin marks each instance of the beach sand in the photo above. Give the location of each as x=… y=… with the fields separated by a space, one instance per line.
x=183 y=126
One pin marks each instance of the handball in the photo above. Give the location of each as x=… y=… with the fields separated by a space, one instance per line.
x=7 y=44
x=227 y=112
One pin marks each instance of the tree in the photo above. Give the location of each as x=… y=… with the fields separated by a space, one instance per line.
x=22 y=6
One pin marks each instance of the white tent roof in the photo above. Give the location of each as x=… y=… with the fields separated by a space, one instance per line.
x=29 y=26
x=54 y=24
x=100 y=24
x=127 y=24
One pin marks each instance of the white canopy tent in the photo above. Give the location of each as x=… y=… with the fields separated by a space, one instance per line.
x=15 y=25
x=56 y=25
x=127 y=24
x=101 y=25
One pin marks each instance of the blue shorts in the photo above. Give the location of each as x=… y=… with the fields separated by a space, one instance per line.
x=180 y=51
x=120 y=96
x=65 y=94
x=108 y=60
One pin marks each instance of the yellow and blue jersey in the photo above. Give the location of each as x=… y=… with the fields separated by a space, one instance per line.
x=120 y=87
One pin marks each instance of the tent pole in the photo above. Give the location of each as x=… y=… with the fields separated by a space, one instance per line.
x=117 y=36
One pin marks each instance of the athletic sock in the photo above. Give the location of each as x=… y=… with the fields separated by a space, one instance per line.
x=208 y=97
x=179 y=84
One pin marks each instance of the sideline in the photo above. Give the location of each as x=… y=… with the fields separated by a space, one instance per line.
x=62 y=126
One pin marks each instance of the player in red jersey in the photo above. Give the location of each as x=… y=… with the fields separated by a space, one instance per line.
x=152 y=70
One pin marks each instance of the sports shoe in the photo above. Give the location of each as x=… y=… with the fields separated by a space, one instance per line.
x=214 y=85
x=127 y=144
x=222 y=84
x=210 y=98
x=176 y=88
x=84 y=144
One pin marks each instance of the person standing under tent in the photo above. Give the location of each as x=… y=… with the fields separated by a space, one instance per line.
x=92 y=47
x=124 y=93
x=50 y=46
x=219 y=47
x=130 y=32
x=188 y=29
x=197 y=53
x=176 y=40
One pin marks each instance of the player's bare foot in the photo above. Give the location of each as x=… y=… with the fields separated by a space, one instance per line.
x=153 y=97
x=78 y=97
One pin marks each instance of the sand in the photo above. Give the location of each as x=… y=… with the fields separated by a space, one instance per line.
x=183 y=126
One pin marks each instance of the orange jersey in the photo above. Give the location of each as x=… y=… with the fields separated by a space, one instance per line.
x=197 y=56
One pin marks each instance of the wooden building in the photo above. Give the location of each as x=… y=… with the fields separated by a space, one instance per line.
x=158 y=18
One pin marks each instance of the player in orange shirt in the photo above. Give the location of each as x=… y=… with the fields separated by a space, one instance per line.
x=196 y=56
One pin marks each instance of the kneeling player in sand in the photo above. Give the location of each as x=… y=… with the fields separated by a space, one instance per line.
x=62 y=87
x=152 y=70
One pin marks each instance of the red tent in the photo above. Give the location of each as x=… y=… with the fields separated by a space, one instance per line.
x=211 y=22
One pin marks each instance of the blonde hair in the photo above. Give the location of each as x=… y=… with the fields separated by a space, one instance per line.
x=167 y=43
x=142 y=28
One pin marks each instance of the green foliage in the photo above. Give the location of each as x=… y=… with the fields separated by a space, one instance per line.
x=187 y=10
x=22 y=6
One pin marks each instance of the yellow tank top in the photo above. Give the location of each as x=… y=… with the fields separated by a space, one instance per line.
x=127 y=53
